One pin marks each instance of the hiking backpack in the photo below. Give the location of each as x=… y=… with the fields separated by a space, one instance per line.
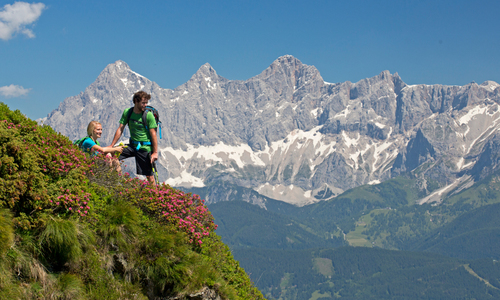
x=79 y=142
x=155 y=113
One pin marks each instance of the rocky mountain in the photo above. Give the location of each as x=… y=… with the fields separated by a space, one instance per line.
x=289 y=135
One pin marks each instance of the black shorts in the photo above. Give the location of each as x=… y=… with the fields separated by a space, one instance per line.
x=142 y=160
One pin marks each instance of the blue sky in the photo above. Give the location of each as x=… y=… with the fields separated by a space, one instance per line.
x=54 y=49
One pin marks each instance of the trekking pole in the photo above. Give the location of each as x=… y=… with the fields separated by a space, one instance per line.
x=155 y=173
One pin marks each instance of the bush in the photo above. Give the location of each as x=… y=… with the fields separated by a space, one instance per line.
x=6 y=231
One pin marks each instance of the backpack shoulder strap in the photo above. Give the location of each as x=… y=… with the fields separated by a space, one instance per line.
x=155 y=114
x=145 y=117
x=129 y=114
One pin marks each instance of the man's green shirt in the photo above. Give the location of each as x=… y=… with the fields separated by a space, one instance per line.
x=137 y=130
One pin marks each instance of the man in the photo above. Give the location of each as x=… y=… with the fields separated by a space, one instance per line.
x=143 y=142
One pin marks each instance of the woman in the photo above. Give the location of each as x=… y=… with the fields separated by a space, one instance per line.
x=91 y=145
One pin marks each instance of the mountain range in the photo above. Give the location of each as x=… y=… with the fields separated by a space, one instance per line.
x=288 y=135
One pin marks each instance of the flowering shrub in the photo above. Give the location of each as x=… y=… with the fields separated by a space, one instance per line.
x=77 y=203
x=40 y=171
x=185 y=212
x=47 y=172
x=63 y=171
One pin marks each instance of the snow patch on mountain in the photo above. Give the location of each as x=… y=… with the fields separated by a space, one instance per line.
x=291 y=194
x=476 y=110
x=185 y=179
x=436 y=196
x=485 y=119
x=462 y=165
x=241 y=154
x=298 y=139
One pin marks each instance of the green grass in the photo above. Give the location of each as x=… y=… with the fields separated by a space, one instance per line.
x=317 y=295
x=323 y=266
x=357 y=238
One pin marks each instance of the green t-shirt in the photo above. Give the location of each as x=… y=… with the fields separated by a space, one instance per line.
x=137 y=130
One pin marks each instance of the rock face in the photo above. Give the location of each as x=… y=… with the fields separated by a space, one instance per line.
x=289 y=135
x=203 y=294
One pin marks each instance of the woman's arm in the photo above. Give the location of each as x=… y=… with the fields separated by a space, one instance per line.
x=107 y=149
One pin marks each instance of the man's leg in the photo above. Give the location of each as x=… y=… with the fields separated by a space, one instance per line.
x=126 y=153
x=144 y=167
x=151 y=178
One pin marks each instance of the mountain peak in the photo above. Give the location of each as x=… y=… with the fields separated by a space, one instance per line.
x=492 y=85
x=286 y=64
x=120 y=64
x=206 y=68
x=286 y=60
x=205 y=71
x=117 y=66
x=291 y=71
x=117 y=70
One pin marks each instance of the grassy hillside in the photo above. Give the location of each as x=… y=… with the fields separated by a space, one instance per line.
x=406 y=226
x=242 y=224
x=71 y=228
x=473 y=235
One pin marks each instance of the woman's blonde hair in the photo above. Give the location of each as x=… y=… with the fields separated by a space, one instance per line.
x=90 y=128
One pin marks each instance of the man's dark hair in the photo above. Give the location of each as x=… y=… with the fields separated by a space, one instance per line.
x=141 y=95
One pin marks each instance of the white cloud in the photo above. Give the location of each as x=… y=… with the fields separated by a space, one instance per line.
x=14 y=18
x=12 y=91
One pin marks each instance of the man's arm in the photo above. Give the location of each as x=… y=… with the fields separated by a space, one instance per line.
x=118 y=134
x=154 y=145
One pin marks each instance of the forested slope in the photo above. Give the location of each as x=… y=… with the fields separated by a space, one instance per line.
x=369 y=273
